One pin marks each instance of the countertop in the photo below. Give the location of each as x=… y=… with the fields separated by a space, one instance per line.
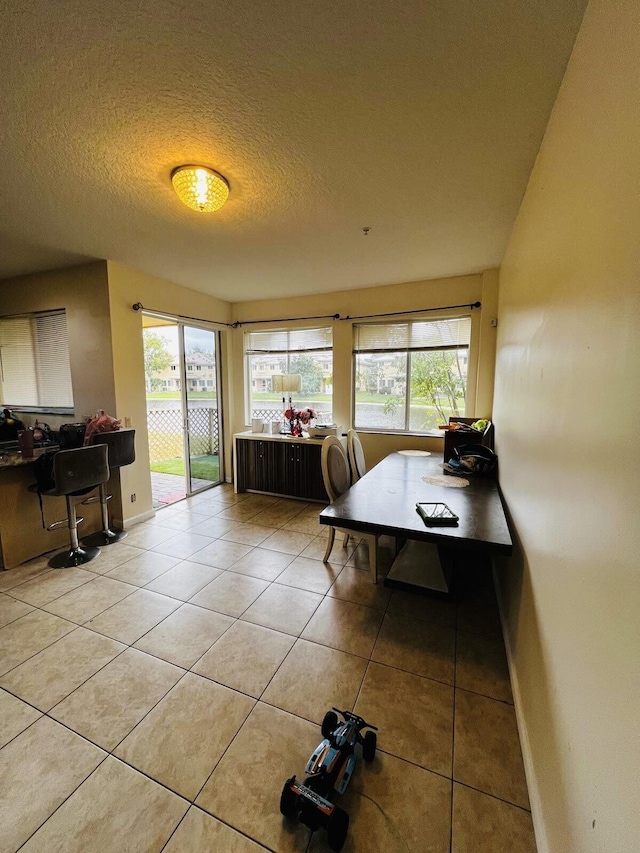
x=15 y=459
x=267 y=436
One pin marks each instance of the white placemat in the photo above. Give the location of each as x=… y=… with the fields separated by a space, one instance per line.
x=415 y=452
x=450 y=482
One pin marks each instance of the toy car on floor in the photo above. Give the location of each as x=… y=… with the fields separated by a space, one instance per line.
x=329 y=771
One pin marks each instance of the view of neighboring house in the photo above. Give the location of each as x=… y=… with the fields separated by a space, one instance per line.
x=385 y=373
x=201 y=374
x=264 y=367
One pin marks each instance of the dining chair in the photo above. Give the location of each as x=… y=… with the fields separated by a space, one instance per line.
x=356 y=456
x=337 y=480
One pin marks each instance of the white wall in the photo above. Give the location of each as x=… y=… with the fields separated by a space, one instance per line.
x=567 y=408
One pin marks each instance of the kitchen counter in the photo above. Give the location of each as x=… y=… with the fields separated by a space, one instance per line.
x=15 y=459
x=22 y=536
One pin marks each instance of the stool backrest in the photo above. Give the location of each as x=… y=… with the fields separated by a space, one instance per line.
x=335 y=468
x=121 y=445
x=80 y=468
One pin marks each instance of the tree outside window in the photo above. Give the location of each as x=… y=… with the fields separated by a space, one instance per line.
x=157 y=358
x=411 y=376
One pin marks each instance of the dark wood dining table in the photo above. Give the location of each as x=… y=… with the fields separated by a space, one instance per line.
x=383 y=502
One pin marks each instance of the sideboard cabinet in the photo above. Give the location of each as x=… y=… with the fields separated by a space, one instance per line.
x=278 y=465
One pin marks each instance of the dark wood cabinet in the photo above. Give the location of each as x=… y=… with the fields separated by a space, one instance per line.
x=279 y=466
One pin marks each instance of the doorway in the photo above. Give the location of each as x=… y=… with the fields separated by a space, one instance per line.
x=184 y=418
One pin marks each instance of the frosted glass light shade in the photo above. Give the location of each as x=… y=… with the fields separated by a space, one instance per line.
x=200 y=188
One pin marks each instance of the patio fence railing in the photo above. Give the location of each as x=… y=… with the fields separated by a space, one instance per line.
x=165 y=429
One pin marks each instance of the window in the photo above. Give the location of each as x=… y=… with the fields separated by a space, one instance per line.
x=304 y=352
x=410 y=376
x=34 y=362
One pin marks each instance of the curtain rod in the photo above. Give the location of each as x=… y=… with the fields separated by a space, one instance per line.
x=285 y=320
x=359 y=317
x=416 y=311
x=138 y=306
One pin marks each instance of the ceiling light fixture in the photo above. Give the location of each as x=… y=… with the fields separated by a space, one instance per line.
x=200 y=188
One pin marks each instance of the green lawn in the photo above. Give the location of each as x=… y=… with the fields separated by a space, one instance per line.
x=202 y=467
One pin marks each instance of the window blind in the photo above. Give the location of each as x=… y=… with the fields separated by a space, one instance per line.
x=34 y=361
x=288 y=340
x=410 y=335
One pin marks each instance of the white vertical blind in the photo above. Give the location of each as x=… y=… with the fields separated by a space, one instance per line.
x=34 y=361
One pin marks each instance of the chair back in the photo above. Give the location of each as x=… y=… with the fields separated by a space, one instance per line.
x=80 y=468
x=121 y=446
x=335 y=468
x=356 y=456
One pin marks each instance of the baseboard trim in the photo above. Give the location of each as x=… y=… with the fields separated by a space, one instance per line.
x=542 y=842
x=136 y=519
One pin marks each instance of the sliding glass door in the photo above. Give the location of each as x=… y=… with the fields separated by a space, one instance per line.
x=202 y=408
x=184 y=419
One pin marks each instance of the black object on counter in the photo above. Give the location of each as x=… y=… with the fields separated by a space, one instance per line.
x=71 y=435
x=9 y=426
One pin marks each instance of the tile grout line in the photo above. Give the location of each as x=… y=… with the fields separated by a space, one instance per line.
x=68 y=797
x=236 y=619
x=453 y=727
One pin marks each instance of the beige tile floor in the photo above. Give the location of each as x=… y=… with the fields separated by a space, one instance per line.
x=157 y=698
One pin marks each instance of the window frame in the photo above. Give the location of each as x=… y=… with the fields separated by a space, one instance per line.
x=470 y=381
x=47 y=408
x=287 y=354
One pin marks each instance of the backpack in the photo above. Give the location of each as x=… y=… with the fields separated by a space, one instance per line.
x=43 y=471
x=472 y=459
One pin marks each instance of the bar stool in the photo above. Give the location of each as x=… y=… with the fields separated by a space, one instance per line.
x=121 y=451
x=76 y=472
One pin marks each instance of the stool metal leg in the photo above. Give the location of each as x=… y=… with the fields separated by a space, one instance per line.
x=76 y=555
x=106 y=536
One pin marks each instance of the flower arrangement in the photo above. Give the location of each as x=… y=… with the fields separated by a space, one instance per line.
x=298 y=418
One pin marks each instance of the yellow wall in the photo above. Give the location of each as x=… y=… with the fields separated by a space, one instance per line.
x=567 y=407
x=127 y=286
x=82 y=292
x=399 y=297
x=106 y=347
x=106 y=350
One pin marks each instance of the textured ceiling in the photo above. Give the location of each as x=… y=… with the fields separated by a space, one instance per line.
x=420 y=119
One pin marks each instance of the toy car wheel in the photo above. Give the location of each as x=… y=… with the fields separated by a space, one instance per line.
x=289 y=801
x=369 y=746
x=329 y=723
x=337 y=829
